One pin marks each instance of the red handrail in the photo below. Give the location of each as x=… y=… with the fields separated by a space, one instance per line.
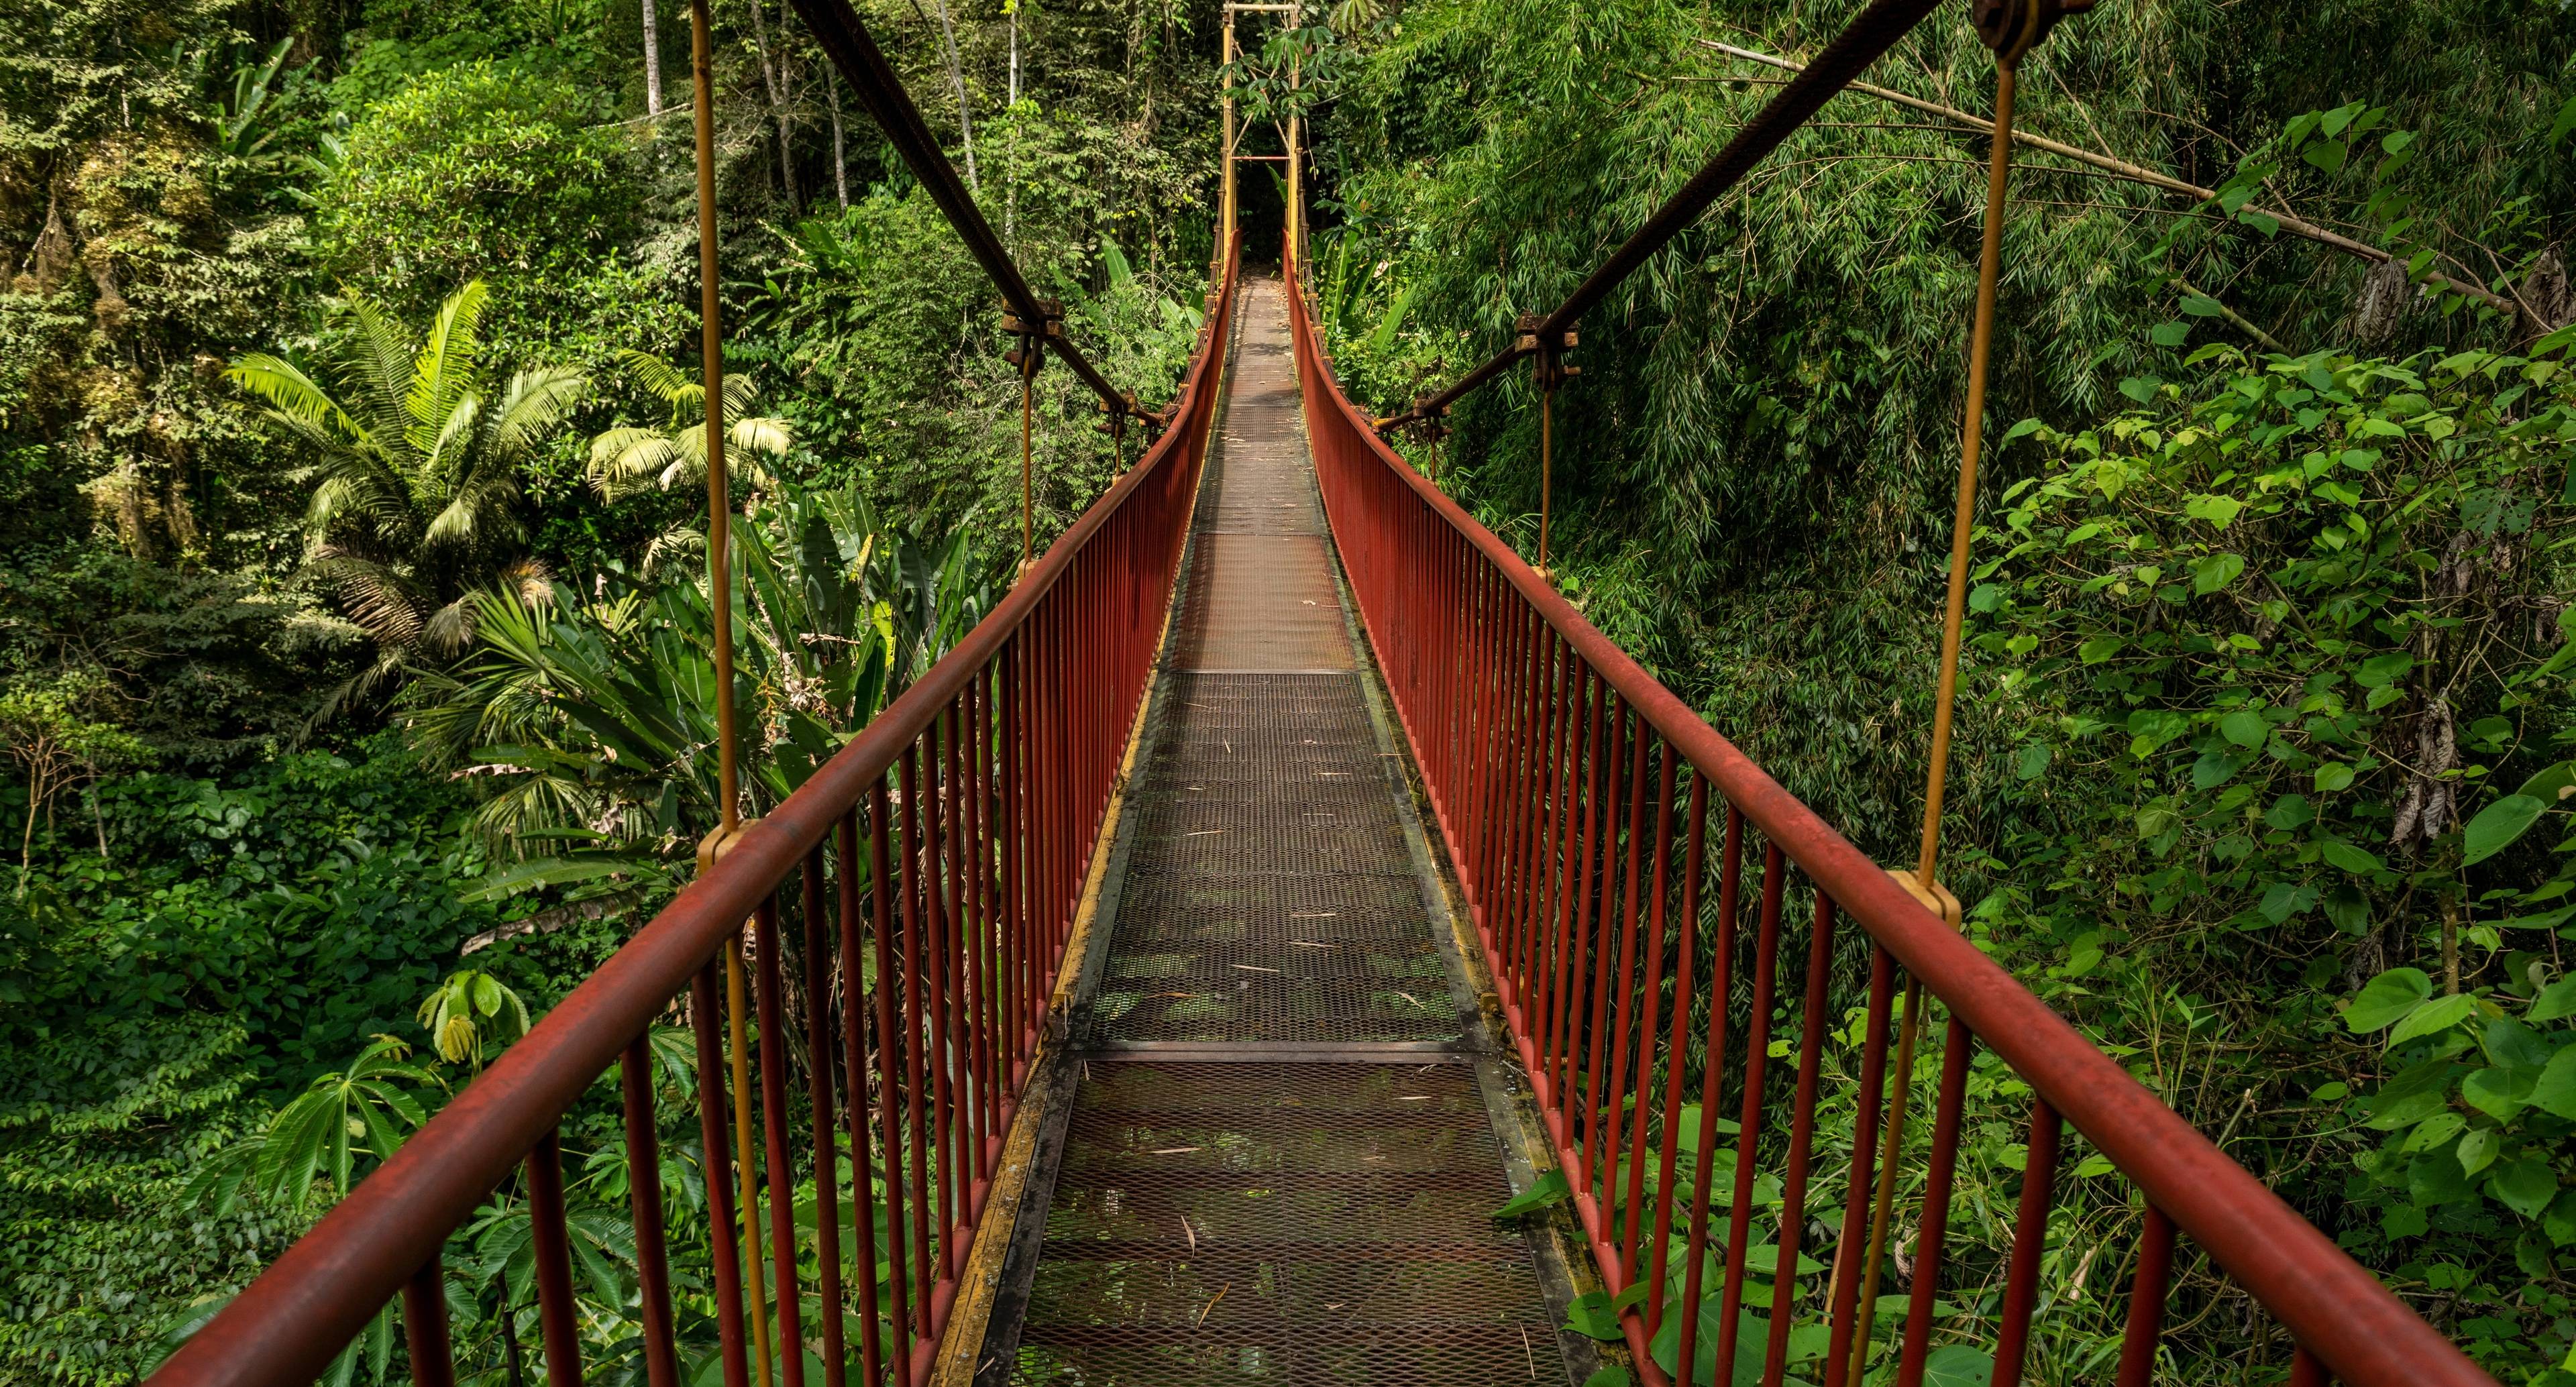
x=1006 y=752
x=1520 y=715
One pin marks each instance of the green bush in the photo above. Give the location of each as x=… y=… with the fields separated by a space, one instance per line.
x=2287 y=653
x=475 y=170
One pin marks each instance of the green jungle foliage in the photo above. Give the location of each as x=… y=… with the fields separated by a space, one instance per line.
x=352 y=622
x=2265 y=716
x=351 y=631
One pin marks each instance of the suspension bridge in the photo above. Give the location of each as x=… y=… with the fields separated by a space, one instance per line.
x=1172 y=984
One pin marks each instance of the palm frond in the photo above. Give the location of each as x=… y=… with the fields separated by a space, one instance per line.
x=478 y=512
x=295 y=396
x=659 y=376
x=444 y=371
x=383 y=600
x=533 y=404
x=448 y=453
x=740 y=391
x=761 y=434
x=627 y=460
x=378 y=363
x=450 y=628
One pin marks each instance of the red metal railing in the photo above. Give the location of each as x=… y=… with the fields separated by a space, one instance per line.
x=1574 y=794
x=937 y=864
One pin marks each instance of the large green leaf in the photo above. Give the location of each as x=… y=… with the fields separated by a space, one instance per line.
x=1548 y=1191
x=2386 y=999
x=2555 y=1090
x=1958 y=1365
x=1751 y=1335
x=2498 y=825
x=2437 y=1015
x=2525 y=1186
x=1591 y=1315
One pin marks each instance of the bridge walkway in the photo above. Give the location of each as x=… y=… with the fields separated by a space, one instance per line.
x=1281 y=1155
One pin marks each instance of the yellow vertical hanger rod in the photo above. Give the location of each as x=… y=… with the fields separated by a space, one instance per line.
x=720 y=606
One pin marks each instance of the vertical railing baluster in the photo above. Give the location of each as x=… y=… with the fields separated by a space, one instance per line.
x=893 y=1047
x=2030 y=1244
x=1539 y=816
x=818 y=1071
x=1582 y=794
x=854 y=1064
x=2306 y=1369
x=959 y=950
x=1938 y=1172
x=1609 y=1103
x=558 y=1319
x=1748 y=1124
x=1721 y=983
x=644 y=1198
x=916 y=1127
x=433 y=1359
x=1802 y=1135
x=1590 y=979
x=2146 y=1325
x=992 y=1052
x=1685 y=967
x=1522 y=798
x=716 y=1164
x=938 y=976
x=1843 y=1293
x=769 y=983
x=1646 y=1032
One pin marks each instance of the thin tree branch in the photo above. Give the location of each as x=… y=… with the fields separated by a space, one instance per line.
x=2139 y=173
x=2233 y=317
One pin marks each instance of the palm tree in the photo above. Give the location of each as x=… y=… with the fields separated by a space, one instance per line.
x=631 y=459
x=414 y=472
x=596 y=717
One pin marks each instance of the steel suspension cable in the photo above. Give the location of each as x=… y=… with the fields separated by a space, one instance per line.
x=844 y=39
x=1841 y=62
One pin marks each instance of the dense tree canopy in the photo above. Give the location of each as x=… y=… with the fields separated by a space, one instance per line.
x=352 y=645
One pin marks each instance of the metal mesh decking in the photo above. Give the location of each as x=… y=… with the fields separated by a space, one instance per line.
x=1265 y=1220
x=1285 y=1223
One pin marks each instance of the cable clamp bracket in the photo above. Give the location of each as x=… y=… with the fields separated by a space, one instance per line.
x=1547 y=351
x=1030 y=354
x=1935 y=898
x=719 y=841
x=2014 y=27
x=1115 y=424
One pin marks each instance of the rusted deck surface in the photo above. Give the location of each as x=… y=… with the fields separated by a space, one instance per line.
x=1277 y=1164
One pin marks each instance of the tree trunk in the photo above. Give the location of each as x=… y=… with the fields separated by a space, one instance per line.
x=652 y=61
x=773 y=78
x=957 y=84
x=1011 y=109
x=840 y=155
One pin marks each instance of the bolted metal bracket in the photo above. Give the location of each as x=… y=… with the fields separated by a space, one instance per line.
x=1548 y=352
x=1030 y=354
x=1115 y=424
x=2013 y=27
x=1419 y=422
